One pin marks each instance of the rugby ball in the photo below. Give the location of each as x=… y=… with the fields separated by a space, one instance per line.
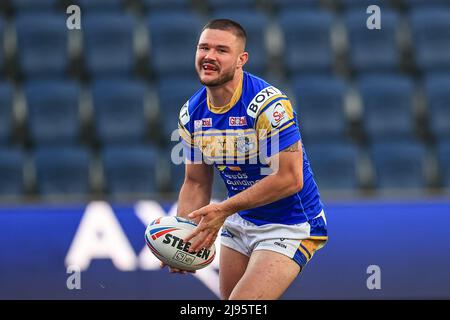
x=164 y=237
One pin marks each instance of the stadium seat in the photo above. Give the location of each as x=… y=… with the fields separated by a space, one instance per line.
x=431 y=38
x=2 y=55
x=6 y=108
x=173 y=38
x=437 y=91
x=372 y=50
x=173 y=94
x=108 y=44
x=387 y=106
x=443 y=156
x=11 y=172
x=119 y=111
x=334 y=165
x=307 y=40
x=255 y=24
x=62 y=171
x=129 y=170
x=398 y=164
x=349 y=4
x=320 y=107
x=231 y=4
x=295 y=4
x=166 y=4
x=53 y=111
x=34 y=5
x=100 y=5
x=415 y=4
x=42 y=44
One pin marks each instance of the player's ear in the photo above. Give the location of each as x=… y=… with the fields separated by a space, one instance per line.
x=242 y=59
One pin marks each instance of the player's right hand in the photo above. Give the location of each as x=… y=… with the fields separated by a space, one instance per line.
x=175 y=270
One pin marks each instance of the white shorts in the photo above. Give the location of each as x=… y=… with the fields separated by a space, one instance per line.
x=298 y=241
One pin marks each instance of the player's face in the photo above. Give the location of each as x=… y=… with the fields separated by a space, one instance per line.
x=217 y=57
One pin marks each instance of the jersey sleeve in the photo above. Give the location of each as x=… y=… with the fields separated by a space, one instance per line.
x=190 y=151
x=276 y=126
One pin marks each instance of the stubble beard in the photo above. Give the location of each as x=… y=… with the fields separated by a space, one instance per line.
x=221 y=80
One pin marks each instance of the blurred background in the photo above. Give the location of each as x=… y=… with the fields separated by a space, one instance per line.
x=86 y=115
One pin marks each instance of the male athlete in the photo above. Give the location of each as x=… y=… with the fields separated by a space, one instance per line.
x=272 y=224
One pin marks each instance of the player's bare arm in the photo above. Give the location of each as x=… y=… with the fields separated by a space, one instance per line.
x=286 y=181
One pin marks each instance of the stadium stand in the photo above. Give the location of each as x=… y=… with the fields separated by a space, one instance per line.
x=334 y=165
x=231 y=4
x=11 y=172
x=431 y=38
x=399 y=164
x=53 y=112
x=320 y=107
x=33 y=5
x=100 y=5
x=362 y=4
x=108 y=44
x=443 y=155
x=62 y=171
x=387 y=106
x=371 y=50
x=2 y=55
x=6 y=109
x=255 y=24
x=166 y=4
x=307 y=40
x=129 y=170
x=438 y=101
x=424 y=4
x=42 y=44
x=119 y=115
x=294 y=4
x=173 y=38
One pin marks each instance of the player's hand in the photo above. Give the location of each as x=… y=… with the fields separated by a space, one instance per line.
x=212 y=218
x=175 y=270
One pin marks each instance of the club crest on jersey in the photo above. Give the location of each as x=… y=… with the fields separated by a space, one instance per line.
x=203 y=123
x=244 y=144
x=237 y=121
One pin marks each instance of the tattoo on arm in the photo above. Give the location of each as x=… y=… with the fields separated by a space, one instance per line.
x=292 y=148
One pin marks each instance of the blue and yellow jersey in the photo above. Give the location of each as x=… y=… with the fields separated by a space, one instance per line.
x=238 y=140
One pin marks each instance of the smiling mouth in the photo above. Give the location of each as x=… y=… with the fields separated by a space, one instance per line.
x=209 y=67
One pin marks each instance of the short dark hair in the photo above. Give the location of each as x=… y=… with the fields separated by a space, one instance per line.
x=227 y=25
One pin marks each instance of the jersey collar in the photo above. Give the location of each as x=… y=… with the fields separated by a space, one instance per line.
x=234 y=99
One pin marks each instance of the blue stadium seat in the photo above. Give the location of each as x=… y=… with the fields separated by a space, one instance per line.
x=295 y=4
x=399 y=164
x=129 y=170
x=2 y=56
x=166 y=4
x=231 y=4
x=173 y=38
x=413 y=4
x=11 y=172
x=34 y=5
x=437 y=91
x=99 y=5
x=320 y=107
x=6 y=108
x=173 y=94
x=348 y=4
x=431 y=38
x=387 y=106
x=255 y=24
x=108 y=44
x=372 y=50
x=334 y=165
x=443 y=156
x=42 y=41
x=307 y=40
x=62 y=171
x=119 y=111
x=53 y=111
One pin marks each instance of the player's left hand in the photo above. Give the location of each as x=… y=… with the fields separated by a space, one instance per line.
x=212 y=218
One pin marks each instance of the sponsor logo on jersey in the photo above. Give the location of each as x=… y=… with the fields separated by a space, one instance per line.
x=278 y=115
x=261 y=98
x=184 y=114
x=237 y=121
x=203 y=123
